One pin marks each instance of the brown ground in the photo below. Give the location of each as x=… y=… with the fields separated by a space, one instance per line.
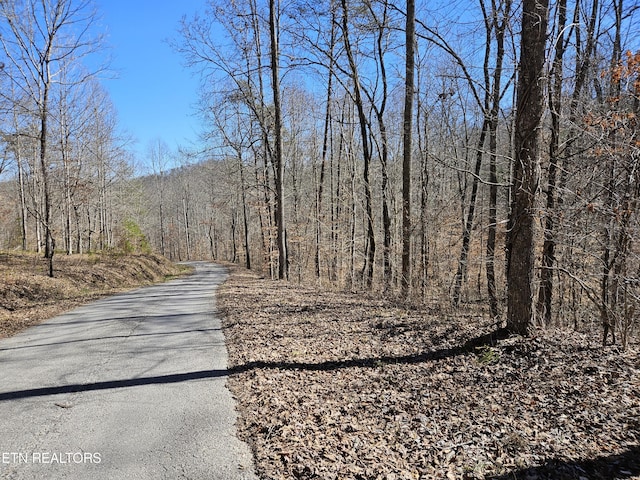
x=345 y=386
x=28 y=296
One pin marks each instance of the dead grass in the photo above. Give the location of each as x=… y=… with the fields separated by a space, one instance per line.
x=28 y=296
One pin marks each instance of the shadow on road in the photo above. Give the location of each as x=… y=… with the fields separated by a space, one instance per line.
x=131 y=382
x=111 y=337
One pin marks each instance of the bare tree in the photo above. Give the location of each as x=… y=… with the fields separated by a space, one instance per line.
x=497 y=21
x=382 y=26
x=529 y=111
x=274 y=32
x=487 y=94
x=159 y=156
x=40 y=37
x=407 y=134
x=325 y=138
x=368 y=266
x=545 y=292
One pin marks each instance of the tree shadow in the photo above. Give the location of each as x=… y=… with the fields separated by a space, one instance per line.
x=112 y=337
x=129 y=382
x=611 y=467
x=373 y=362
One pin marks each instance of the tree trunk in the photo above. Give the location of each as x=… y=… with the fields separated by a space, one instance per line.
x=187 y=230
x=545 y=292
x=50 y=244
x=468 y=225
x=529 y=110
x=366 y=151
x=245 y=216
x=283 y=261
x=500 y=28
x=325 y=149
x=76 y=213
x=68 y=206
x=23 y=199
x=382 y=26
x=609 y=254
x=407 y=135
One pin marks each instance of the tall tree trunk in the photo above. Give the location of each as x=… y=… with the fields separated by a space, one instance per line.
x=407 y=135
x=500 y=26
x=49 y=248
x=269 y=214
x=468 y=225
x=265 y=235
x=234 y=247
x=162 y=232
x=325 y=146
x=337 y=238
x=21 y=180
x=382 y=26
x=76 y=213
x=283 y=261
x=423 y=147
x=267 y=151
x=245 y=216
x=529 y=110
x=187 y=230
x=493 y=217
x=366 y=151
x=485 y=105
x=609 y=231
x=23 y=198
x=89 y=230
x=68 y=206
x=545 y=292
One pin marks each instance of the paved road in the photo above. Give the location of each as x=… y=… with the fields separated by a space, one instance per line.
x=129 y=387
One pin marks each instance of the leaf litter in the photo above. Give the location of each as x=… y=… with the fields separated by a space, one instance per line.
x=334 y=385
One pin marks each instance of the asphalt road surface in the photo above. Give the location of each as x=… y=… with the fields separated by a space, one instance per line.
x=129 y=387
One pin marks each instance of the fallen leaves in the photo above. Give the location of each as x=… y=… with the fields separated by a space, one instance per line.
x=344 y=386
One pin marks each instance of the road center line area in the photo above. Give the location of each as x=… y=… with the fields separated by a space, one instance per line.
x=132 y=386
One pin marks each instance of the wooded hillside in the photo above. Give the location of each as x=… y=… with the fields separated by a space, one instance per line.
x=513 y=151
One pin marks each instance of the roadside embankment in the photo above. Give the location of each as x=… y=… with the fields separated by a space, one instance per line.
x=29 y=296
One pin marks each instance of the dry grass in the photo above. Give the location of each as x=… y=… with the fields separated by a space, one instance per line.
x=28 y=296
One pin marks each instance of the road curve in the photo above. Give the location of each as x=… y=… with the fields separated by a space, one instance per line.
x=129 y=387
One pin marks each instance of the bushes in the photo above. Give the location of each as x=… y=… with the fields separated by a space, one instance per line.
x=132 y=239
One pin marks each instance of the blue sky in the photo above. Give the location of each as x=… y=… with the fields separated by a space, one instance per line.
x=153 y=93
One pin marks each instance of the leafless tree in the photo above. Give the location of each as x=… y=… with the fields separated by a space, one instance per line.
x=407 y=135
x=38 y=38
x=529 y=111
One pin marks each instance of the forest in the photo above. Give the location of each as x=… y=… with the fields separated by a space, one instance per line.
x=479 y=153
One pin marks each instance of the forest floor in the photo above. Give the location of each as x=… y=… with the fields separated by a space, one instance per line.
x=337 y=385
x=28 y=296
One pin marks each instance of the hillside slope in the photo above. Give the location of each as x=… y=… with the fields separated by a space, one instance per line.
x=28 y=296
